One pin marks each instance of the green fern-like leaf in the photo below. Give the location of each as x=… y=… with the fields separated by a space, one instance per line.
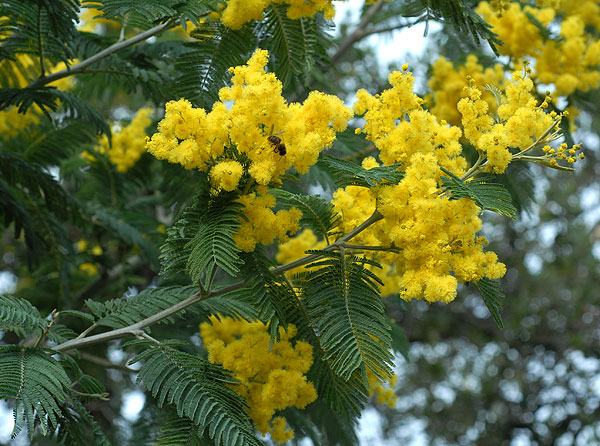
x=19 y=315
x=347 y=173
x=199 y=390
x=493 y=297
x=177 y=431
x=295 y=46
x=488 y=195
x=317 y=214
x=203 y=69
x=134 y=13
x=79 y=427
x=201 y=241
x=343 y=299
x=37 y=382
x=122 y=312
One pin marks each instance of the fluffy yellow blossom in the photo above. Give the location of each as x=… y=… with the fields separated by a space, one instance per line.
x=447 y=83
x=129 y=143
x=382 y=392
x=517 y=32
x=262 y=131
x=91 y=18
x=88 y=268
x=296 y=248
x=226 y=175
x=399 y=126
x=261 y=224
x=518 y=123
x=239 y=12
x=571 y=61
x=272 y=377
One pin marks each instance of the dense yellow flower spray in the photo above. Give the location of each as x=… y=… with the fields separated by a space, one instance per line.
x=272 y=377
x=128 y=144
x=254 y=135
x=569 y=62
x=239 y=12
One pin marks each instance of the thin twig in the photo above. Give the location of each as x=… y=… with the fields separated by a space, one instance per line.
x=358 y=32
x=106 y=363
x=81 y=66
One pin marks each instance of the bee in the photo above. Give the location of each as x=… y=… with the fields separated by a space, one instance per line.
x=279 y=147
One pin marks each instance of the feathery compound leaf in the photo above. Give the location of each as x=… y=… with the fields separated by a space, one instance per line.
x=118 y=313
x=318 y=214
x=204 y=68
x=343 y=300
x=493 y=296
x=347 y=173
x=37 y=382
x=19 y=315
x=135 y=13
x=80 y=427
x=200 y=391
x=488 y=196
x=295 y=46
x=213 y=246
x=176 y=431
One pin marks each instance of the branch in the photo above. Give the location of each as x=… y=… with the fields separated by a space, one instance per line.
x=136 y=329
x=81 y=66
x=358 y=32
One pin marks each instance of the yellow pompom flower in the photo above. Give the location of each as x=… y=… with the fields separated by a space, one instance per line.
x=261 y=224
x=257 y=123
x=239 y=12
x=226 y=175
x=129 y=143
x=272 y=376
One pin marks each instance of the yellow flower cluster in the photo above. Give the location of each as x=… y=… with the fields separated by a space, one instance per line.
x=382 y=392
x=519 y=122
x=19 y=73
x=272 y=376
x=569 y=62
x=296 y=247
x=399 y=127
x=262 y=131
x=435 y=236
x=261 y=224
x=239 y=12
x=128 y=143
x=447 y=83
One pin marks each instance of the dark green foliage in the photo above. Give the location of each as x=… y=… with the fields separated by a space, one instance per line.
x=199 y=390
x=488 y=195
x=203 y=69
x=493 y=297
x=118 y=313
x=34 y=203
x=176 y=431
x=459 y=14
x=79 y=427
x=49 y=100
x=19 y=315
x=317 y=213
x=343 y=301
x=400 y=342
x=38 y=384
x=201 y=241
x=44 y=28
x=119 y=224
x=296 y=47
x=348 y=173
